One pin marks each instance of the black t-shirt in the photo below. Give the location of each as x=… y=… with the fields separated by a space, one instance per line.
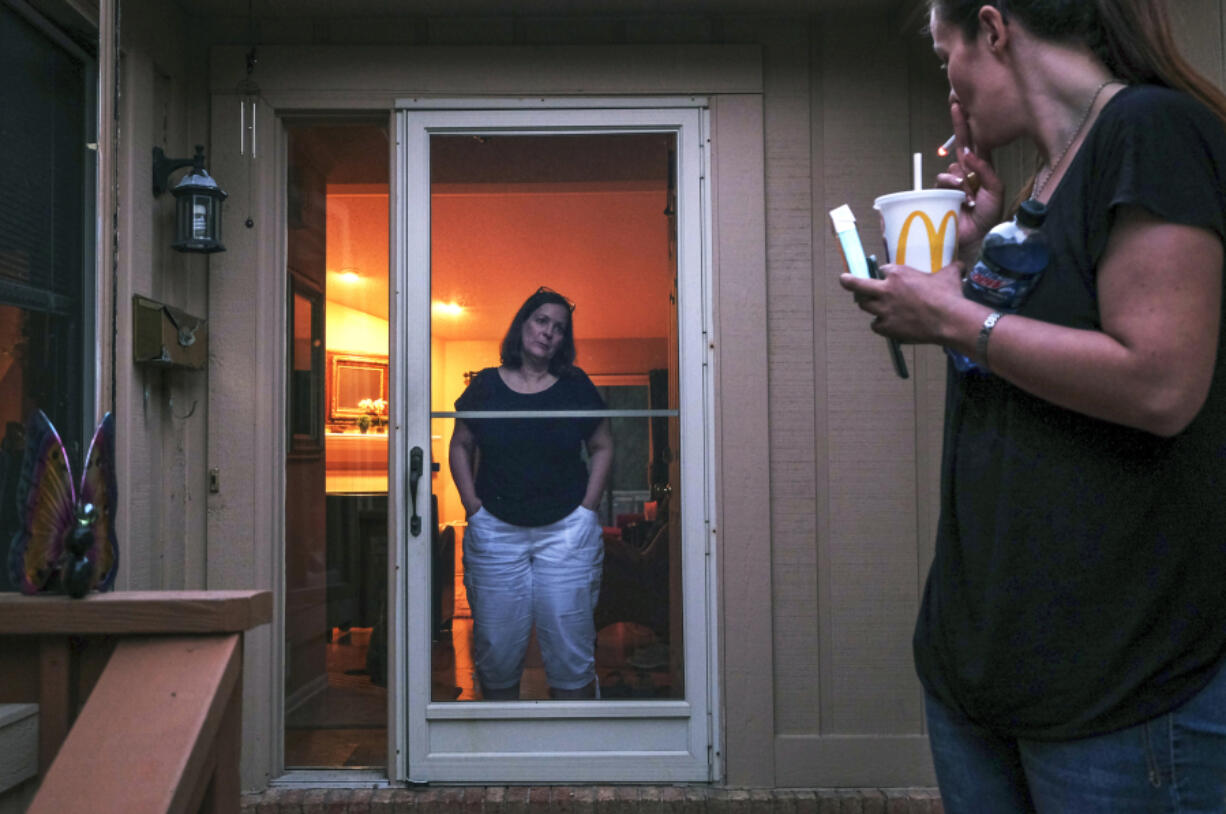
x=530 y=471
x=1079 y=583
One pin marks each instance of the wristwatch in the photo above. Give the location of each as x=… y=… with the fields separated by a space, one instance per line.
x=985 y=333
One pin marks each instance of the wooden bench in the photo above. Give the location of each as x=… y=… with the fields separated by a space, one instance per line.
x=139 y=695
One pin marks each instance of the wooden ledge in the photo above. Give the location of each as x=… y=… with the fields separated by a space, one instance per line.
x=135 y=612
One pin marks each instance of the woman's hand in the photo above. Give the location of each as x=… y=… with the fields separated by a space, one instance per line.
x=599 y=462
x=985 y=191
x=910 y=305
x=462 y=453
x=1149 y=367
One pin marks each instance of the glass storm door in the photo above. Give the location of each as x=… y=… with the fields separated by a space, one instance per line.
x=561 y=632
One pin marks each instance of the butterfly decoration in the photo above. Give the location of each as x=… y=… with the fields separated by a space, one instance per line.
x=66 y=536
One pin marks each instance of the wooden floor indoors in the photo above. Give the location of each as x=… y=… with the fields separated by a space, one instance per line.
x=345 y=725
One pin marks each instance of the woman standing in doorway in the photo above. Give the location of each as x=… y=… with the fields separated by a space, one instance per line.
x=533 y=548
x=1072 y=634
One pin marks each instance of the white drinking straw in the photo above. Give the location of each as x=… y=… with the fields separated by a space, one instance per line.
x=917 y=170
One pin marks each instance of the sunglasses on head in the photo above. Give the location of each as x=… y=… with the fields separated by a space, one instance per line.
x=547 y=290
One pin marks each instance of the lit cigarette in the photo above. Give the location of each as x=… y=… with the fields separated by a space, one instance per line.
x=944 y=149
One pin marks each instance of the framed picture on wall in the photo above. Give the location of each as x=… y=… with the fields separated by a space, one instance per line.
x=357 y=386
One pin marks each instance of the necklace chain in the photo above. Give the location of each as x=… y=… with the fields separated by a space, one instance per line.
x=1085 y=117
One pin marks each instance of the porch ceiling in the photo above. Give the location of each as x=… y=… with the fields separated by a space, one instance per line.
x=473 y=8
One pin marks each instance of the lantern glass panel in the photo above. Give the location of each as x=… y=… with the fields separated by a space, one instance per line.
x=183 y=224
x=198 y=221
x=201 y=216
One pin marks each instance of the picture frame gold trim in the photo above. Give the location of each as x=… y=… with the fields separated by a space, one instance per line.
x=352 y=377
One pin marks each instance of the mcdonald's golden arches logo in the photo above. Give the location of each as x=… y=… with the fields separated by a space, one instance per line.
x=936 y=237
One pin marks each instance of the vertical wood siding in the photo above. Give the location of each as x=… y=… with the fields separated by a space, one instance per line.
x=791 y=326
x=161 y=414
x=844 y=615
x=741 y=397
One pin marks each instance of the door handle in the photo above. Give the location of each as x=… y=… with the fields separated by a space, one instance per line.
x=415 y=468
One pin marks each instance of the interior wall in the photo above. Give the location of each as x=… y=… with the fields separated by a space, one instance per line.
x=353 y=331
x=605 y=250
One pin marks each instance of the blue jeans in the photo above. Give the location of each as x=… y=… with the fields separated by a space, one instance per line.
x=1173 y=763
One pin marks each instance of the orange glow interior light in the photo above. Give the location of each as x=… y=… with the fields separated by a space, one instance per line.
x=446 y=309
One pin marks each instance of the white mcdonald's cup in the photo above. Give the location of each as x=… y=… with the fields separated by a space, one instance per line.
x=921 y=226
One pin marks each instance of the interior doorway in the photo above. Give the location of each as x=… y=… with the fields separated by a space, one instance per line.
x=336 y=513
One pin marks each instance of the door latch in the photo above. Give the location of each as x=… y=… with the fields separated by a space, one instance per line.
x=415 y=468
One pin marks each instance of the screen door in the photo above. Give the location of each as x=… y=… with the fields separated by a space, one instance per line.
x=549 y=323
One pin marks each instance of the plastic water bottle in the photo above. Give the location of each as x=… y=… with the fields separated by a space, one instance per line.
x=1011 y=261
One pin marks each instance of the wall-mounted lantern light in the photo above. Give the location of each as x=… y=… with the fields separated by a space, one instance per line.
x=197 y=202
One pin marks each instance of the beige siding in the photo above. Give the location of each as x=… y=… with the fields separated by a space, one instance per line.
x=161 y=414
x=791 y=326
x=743 y=522
x=246 y=413
x=846 y=514
x=867 y=592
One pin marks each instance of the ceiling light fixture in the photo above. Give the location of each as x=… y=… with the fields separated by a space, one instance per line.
x=448 y=309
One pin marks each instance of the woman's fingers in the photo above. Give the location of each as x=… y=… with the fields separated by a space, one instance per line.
x=954 y=178
x=984 y=172
x=859 y=285
x=962 y=129
x=907 y=304
x=864 y=292
x=974 y=175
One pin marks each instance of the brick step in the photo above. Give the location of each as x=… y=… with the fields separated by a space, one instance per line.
x=593 y=800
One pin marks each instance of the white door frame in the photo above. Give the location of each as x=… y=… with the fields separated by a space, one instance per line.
x=594 y=741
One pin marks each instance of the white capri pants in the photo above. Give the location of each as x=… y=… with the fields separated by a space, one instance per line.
x=550 y=575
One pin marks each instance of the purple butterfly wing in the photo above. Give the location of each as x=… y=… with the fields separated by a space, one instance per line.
x=45 y=502
x=98 y=487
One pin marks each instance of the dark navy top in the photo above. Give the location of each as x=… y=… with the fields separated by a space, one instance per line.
x=1079 y=582
x=530 y=471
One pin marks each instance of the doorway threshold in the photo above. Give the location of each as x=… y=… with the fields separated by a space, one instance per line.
x=592 y=799
x=330 y=779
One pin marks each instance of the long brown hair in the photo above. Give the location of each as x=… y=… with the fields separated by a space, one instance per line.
x=512 y=351
x=1132 y=37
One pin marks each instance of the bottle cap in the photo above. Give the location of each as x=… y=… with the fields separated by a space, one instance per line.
x=1031 y=213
